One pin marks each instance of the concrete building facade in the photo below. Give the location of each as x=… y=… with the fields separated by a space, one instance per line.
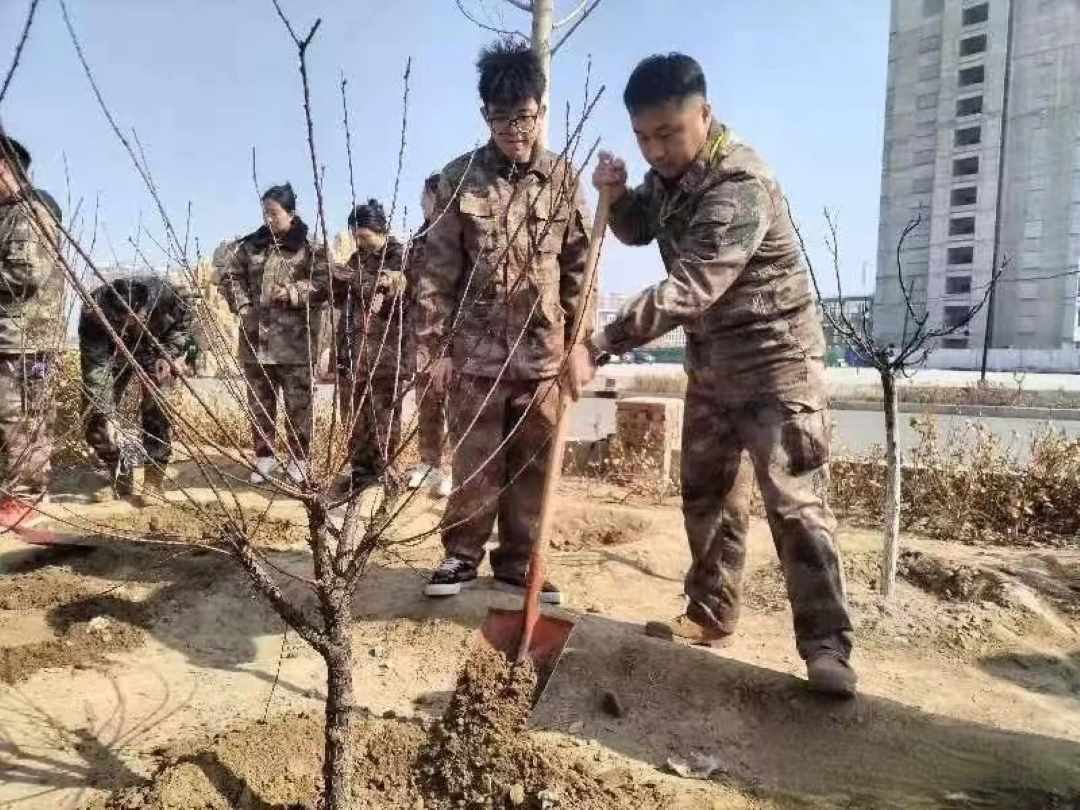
x=982 y=145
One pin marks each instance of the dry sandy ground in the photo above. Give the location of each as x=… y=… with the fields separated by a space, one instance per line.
x=116 y=662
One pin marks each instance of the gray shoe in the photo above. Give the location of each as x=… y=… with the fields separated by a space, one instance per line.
x=830 y=674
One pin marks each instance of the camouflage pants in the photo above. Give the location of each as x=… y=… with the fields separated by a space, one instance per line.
x=431 y=423
x=504 y=482
x=26 y=412
x=104 y=382
x=264 y=381
x=375 y=417
x=788 y=449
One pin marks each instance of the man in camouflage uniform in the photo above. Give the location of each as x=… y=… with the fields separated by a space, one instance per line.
x=505 y=264
x=370 y=350
x=31 y=331
x=738 y=285
x=144 y=311
x=430 y=405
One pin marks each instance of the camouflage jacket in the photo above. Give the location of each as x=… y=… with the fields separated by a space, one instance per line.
x=736 y=280
x=169 y=321
x=31 y=280
x=369 y=334
x=503 y=266
x=285 y=333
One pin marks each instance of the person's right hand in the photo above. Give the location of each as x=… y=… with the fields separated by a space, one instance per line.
x=610 y=175
x=439 y=374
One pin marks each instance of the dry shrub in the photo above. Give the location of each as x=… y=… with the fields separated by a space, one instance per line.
x=991 y=394
x=969 y=486
x=637 y=471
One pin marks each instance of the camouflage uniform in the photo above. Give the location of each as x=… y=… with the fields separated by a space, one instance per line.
x=505 y=263
x=737 y=284
x=371 y=353
x=430 y=406
x=278 y=341
x=106 y=372
x=31 y=331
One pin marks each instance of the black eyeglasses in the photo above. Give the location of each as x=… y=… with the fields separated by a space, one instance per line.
x=522 y=122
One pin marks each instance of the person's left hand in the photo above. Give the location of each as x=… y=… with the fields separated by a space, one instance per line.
x=280 y=296
x=580 y=370
x=393 y=282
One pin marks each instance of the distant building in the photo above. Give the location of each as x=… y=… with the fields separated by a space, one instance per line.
x=607 y=307
x=982 y=141
x=859 y=312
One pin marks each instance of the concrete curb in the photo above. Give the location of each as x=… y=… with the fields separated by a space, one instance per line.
x=998 y=411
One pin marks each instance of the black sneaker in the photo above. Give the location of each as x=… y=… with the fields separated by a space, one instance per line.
x=549 y=592
x=450 y=577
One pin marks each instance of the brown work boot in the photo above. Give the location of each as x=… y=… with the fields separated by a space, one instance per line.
x=830 y=673
x=683 y=628
x=153 y=487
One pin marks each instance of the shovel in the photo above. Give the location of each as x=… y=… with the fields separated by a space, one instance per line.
x=526 y=633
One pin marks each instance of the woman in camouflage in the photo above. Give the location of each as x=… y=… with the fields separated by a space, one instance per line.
x=268 y=282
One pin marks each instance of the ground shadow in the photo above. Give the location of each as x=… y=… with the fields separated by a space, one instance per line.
x=1045 y=674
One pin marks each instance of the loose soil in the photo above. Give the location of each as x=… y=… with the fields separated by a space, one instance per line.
x=160 y=681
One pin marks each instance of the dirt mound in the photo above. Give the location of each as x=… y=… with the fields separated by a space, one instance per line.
x=479 y=755
x=952 y=581
x=39 y=589
x=598 y=528
x=80 y=645
x=180 y=522
x=959 y=610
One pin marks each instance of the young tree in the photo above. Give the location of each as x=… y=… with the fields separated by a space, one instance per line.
x=343 y=532
x=918 y=339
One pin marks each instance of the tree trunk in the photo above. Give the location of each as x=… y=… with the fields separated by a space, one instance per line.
x=543 y=19
x=892 y=484
x=338 y=762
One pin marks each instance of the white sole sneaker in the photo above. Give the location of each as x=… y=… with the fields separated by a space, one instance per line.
x=447 y=588
x=546 y=597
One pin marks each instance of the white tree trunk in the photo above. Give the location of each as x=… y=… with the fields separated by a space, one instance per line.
x=892 y=485
x=543 y=19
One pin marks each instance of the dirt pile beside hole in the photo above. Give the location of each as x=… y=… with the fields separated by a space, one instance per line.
x=598 y=528
x=80 y=645
x=40 y=589
x=952 y=581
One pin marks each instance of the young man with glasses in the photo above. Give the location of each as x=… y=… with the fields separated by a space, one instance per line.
x=504 y=267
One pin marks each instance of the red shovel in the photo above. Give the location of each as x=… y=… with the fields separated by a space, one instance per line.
x=526 y=633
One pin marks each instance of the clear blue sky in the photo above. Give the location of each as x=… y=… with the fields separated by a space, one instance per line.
x=205 y=80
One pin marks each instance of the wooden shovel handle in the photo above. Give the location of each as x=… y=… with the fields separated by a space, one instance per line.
x=535 y=578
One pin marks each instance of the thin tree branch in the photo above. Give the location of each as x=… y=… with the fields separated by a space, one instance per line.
x=574 y=27
x=479 y=24
x=19 y=49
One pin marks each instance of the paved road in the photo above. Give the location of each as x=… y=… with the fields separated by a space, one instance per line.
x=854 y=377
x=855 y=431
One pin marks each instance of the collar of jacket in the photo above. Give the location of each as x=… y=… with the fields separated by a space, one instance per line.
x=717 y=146
x=294 y=239
x=360 y=257
x=541 y=164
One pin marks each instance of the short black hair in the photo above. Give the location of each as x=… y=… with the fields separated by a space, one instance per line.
x=510 y=73
x=283 y=195
x=10 y=146
x=370 y=215
x=663 y=77
x=123 y=291
x=431 y=185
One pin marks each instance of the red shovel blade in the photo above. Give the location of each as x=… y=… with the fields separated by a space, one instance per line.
x=502 y=630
